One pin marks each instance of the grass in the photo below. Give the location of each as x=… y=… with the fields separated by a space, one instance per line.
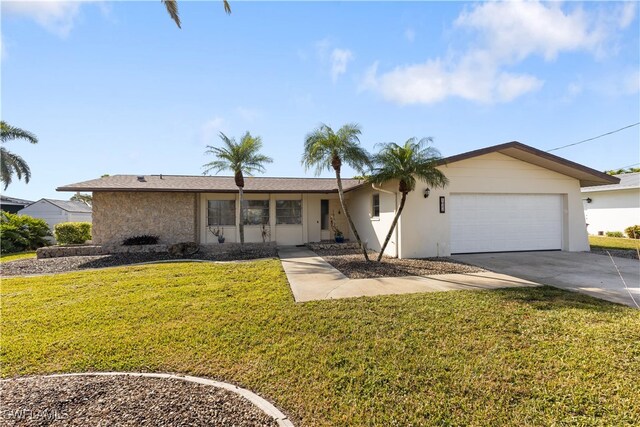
x=15 y=256
x=613 y=242
x=528 y=356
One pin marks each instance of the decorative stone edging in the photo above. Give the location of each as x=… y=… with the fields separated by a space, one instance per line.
x=263 y=404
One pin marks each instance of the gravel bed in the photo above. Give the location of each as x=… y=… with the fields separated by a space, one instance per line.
x=622 y=253
x=74 y=263
x=123 y=401
x=351 y=263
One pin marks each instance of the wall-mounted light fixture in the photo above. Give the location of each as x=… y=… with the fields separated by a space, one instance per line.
x=427 y=192
x=588 y=200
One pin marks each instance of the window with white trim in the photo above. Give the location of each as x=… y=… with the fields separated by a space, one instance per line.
x=375 y=206
x=221 y=212
x=289 y=212
x=256 y=212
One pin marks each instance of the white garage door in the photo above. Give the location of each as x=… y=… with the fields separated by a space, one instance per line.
x=505 y=222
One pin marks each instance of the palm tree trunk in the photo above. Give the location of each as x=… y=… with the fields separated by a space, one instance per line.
x=393 y=226
x=346 y=212
x=241 y=223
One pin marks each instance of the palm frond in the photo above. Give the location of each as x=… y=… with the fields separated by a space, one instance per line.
x=9 y=133
x=414 y=159
x=10 y=164
x=227 y=7
x=172 y=9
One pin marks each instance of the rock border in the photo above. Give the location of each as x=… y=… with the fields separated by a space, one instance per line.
x=264 y=405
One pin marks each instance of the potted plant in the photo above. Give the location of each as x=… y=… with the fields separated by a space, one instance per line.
x=337 y=233
x=218 y=232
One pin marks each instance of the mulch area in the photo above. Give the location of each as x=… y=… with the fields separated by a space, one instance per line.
x=621 y=253
x=74 y=263
x=352 y=264
x=123 y=401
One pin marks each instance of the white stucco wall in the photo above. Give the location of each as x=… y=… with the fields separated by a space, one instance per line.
x=612 y=210
x=425 y=232
x=373 y=230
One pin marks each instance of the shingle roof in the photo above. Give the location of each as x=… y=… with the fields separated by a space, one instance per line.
x=218 y=184
x=70 y=205
x=13 y=201
x=627 y=181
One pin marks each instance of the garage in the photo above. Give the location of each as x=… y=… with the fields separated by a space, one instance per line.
x=482 y=222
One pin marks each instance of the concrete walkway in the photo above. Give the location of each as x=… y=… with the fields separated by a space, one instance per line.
x=311 y=278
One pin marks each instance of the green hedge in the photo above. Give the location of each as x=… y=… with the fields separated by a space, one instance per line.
x=22 y=233
x=633 y=232
x=614 y=234
x=70 y=233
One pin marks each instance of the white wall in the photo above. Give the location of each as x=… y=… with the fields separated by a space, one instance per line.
x=612 y=210
x=52 y=214
x=425 y=232
x=374 y=230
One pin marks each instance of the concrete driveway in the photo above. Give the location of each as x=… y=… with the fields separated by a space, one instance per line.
x=591 y=274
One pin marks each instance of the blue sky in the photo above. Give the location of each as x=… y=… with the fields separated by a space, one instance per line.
x=116 y=87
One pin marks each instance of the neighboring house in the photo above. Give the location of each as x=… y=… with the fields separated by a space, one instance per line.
x=613 y=207
x=509 y=197
x=57 y=211
x=12 y=204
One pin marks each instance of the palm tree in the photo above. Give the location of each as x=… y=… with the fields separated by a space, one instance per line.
x=326 y=149
x=172 y=8
x=241 y=158
x=12 y=163
x=405 y=163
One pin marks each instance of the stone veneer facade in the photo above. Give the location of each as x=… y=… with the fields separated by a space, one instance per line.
x=119 y=215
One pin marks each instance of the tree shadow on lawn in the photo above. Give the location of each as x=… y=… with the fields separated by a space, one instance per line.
x=550 y=298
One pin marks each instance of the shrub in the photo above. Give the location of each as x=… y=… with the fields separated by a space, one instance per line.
x=614 y=234
x=141 y=240
x=22 y=233
x=70 y=233
x=633 y=232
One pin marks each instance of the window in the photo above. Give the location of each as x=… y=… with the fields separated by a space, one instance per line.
x=375 y=206
x=256 y=212
x=324 y=214
x=288 y=212
x=222 y=212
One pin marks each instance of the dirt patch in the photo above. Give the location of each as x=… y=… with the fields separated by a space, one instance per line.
x=123 y=401
x=74 y=263
x=352 y=264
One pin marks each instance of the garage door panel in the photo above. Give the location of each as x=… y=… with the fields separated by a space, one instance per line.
x=505 y=222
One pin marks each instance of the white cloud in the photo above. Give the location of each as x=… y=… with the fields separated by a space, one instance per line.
x=57 y=17
x=211 y=128
x=339 y=60
x=515 y=30
x=504 y=34
x=248 y=114
x=434 y=81
x=410 y=35
x=628 y=14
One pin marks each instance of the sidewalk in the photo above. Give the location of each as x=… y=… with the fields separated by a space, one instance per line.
x=311 y=278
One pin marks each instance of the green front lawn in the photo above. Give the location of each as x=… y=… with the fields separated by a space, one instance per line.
x=537 y=356
x=14 y=256
x=613 y=242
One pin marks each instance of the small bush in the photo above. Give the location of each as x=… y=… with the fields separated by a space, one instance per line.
x=614 y=234
x=72 y=233
x=633 y=232
x=141 y=240
x=22 y=233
